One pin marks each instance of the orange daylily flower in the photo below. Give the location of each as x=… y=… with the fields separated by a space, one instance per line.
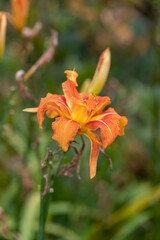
x=19 y=13
x=3 y=25
x=80 y=114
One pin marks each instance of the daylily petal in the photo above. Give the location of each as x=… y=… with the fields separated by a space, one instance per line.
x=52 y=102
x=52 y=111
x=65 y=131
x=69 y=88
x=95 y=145
x=100 y=104
x=93 y=158
x=111 y=125
x=20 y=12
x=123 y=122
x=80 y=111
x=61 y=105
x=83 y=110
x=72 y=75
x=95 y=103
x=30 y=109
x=3 y=24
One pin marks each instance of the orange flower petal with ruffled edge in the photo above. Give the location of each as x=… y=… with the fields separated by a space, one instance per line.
x=72 y=76
x=20 y=12
x=95 y=103
x=111 y=125
x=52 y=111
x=53 y=102
x=65 y=131
x=69 y=88
x=70 y=91
x=123 y=122
x=95 y=145
x=83 y=110
x=93 y=158
x=99 y=104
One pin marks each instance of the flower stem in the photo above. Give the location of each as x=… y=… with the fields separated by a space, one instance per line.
x=45 y=199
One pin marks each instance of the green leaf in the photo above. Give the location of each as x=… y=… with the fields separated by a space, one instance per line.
x=136 y=206
x=29 y=216
x=61 y=231
x=16 y=140
x=131 y=226
x=60 y=208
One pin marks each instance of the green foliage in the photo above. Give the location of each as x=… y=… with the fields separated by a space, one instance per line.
x=121 y=203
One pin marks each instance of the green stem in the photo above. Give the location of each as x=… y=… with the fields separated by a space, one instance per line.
x=44 y=201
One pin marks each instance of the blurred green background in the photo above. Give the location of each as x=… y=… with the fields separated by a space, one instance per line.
x=118 y=204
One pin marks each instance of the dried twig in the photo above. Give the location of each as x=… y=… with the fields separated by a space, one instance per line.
x=48 y=155
x=46 y=176
x=29 y=33
x=22 y=76
x=23 y=89
x=67 y=169
x=46 y=56
x=46 y=186
x=107 y=156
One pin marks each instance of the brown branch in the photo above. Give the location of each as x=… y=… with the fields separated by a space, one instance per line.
x=45 y=58
x=46 y=186
x=29 y=33
x=67 y=169
x=81 y=151
x=75 y=149
x=22 y=76
x=107 y=156
x=22 y=88
x=48 y=155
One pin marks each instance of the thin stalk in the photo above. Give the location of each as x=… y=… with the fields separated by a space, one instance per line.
x=45 y=200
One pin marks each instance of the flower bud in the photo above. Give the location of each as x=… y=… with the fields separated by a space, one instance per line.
x=20 y=13
x=85 y=85
x=101 y=73
x=3 y=25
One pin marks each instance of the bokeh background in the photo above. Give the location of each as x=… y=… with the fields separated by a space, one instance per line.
x=122 y=203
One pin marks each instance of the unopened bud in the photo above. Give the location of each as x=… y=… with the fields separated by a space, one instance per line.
x=3 y=25
x=101 y=73
x=20 y=12
x=85 y=85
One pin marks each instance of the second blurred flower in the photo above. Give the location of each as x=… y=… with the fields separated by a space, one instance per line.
x=3 y=25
